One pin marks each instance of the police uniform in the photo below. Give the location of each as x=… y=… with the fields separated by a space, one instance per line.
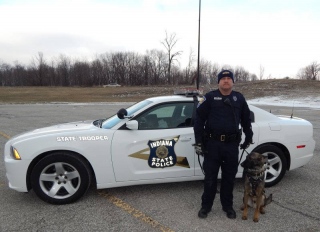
x=217 y=122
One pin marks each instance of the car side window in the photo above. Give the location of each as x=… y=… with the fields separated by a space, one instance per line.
x=166 y=116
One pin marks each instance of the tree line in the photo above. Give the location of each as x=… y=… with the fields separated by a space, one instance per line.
x=155 y=67
x=125 y=68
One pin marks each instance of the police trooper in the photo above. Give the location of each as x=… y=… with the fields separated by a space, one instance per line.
x=218 y=135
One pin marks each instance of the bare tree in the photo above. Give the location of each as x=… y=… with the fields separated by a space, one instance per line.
x=5 y=74
x=80 y=74
x=215 y=69
x=40 y=69
x=158 y=65
x=261 y=72
x=240 y=74
x=169 y=42
x=301 y=73
x=19 y=74
x=190 y=69
x=107 y=67
x=253 y=77
x=138 y=65
x=63 y=70
x=311 y=72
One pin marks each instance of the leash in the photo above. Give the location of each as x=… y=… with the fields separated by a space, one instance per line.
x=200 y=164
x=195 y=104
x=244 y=150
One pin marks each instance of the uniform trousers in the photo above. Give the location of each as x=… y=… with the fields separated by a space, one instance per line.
x=224 y=155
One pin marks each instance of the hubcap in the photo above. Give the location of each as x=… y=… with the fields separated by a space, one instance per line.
x=59 y=180
x=274 y=167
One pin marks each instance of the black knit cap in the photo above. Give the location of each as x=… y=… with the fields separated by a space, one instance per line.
x=225 y=73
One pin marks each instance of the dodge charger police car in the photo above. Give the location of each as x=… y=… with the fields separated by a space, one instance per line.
x=149 y=142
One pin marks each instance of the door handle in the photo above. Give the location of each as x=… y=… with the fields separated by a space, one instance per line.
x=185 y=139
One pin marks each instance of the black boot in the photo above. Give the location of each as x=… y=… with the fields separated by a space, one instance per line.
x=203 y=212
x=230 y=212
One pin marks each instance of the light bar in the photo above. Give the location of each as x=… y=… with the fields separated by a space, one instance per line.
x=188 y=92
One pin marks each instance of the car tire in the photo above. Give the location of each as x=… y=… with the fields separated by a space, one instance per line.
x=61 y=178
x=277 y=164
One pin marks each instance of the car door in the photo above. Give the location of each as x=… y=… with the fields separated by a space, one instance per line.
x=160 y=148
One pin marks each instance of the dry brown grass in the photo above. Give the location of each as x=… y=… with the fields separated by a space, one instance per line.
x=288 y=88
x=78 y=94
x=250 y=90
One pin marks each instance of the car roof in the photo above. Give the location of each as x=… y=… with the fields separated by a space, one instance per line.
x=170 y=98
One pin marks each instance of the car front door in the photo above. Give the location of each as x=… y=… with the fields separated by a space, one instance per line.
x=160 y=148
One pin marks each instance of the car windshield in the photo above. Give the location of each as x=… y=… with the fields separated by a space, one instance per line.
x=114 y=120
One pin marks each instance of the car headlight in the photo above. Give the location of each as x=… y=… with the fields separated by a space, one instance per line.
x=15 y=154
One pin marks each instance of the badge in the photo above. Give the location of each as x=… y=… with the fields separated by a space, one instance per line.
x=235 y=98
x=162 y=153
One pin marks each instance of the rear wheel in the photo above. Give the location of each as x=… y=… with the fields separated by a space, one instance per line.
x=61 y=178
x=277 y=164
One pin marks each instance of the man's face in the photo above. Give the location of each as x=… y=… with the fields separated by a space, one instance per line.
x=225 y=84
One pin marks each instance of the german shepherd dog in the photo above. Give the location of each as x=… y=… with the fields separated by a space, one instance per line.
x=254 y=194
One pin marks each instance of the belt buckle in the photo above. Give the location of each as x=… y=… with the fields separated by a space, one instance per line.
x=222 y=138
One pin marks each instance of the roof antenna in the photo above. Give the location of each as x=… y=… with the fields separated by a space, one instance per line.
x=198 y=65
x=292 y=109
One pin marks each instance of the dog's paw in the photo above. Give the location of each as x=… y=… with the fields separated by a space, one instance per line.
x=255 y=219
x=244 y=217
x=262 y=211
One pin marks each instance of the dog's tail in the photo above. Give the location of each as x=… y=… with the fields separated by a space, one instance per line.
x=268 y=200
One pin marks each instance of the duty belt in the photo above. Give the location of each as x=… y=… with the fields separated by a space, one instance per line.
x=223 y=137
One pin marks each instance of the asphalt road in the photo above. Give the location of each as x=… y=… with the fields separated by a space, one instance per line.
x=164 y=207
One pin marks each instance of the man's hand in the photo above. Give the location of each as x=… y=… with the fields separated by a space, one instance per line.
x=246 y=143
x=198 y=148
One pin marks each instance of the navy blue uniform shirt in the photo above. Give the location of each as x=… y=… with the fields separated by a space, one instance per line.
x=215 y=115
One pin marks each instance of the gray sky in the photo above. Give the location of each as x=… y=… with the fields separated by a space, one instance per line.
x=280 y=35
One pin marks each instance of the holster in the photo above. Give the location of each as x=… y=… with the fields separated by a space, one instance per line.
x=205 y=139
x=239 y=136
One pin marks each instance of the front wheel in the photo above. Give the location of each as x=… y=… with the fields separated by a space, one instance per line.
x=61 y=178
x=277 y=166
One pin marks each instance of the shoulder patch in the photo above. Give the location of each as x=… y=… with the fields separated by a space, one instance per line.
x=203 y=99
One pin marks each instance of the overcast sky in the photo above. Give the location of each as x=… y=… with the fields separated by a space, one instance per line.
x=280 y=35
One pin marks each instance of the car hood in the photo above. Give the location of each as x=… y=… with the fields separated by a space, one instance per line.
x=58 y=129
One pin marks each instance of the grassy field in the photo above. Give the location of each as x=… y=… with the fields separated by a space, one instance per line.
x=78 y=94
x=275 y=87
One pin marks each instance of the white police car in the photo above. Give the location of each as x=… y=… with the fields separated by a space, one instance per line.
x=148 y=143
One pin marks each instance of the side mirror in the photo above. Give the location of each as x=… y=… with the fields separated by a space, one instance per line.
x=122 y=113
x=132 y=125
